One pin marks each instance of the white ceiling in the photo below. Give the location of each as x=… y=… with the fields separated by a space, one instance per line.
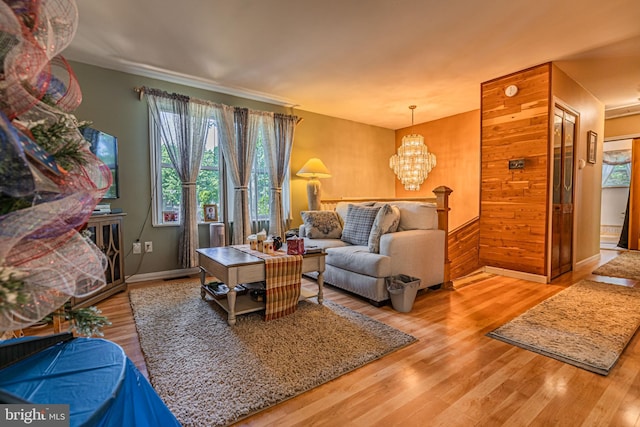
x=360 y=60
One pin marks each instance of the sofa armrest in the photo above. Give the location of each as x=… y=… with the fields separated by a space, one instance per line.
x=418 y=253
x=301 y=231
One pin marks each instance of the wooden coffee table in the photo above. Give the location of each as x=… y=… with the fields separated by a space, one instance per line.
x=235 y=267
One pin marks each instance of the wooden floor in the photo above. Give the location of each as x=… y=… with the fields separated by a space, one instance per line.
x=454 y=375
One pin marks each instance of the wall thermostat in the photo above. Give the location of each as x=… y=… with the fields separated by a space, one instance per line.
x=511 y=90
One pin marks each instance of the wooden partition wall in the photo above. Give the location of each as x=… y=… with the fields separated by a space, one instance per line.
x=513 y=201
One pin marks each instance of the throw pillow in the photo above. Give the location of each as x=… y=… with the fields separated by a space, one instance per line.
x=357 y=225
x=321 y=224
x=343 y=207
x=387 y=221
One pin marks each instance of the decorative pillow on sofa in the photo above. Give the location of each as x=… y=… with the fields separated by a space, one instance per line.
x=357 y=225
x=386 y=221
x=343 y=207
x=321 y=224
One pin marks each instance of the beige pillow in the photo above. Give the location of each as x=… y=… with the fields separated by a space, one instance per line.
x=387 y=221
x=417 y=215
x=321 y=224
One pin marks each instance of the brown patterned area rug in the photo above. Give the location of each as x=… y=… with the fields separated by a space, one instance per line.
x=211 y=374
x=625 y=265
x=587 y=325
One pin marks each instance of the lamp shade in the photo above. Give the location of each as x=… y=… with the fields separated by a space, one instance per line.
x=314 y=168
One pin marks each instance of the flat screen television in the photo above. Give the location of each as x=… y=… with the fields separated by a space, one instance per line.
x=105 y=147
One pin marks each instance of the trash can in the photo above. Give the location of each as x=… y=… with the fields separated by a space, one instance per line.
x=402 y=290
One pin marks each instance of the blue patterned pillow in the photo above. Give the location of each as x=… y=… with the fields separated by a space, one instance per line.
x=321 y=224
x=357 y=225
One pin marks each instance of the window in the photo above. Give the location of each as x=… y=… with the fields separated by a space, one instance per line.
x=616 y=168
x=259 y=185
x=167 y=189
x=619 y=176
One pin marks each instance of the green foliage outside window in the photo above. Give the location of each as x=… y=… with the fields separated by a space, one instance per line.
x=260 y=183
x=618 y=177
x=207 y=183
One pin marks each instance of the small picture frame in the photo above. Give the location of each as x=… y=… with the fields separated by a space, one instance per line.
x=210 y=213
x=592 y=146
x=169 y=216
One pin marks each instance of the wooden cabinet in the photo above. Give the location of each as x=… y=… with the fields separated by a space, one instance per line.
x=106 y=233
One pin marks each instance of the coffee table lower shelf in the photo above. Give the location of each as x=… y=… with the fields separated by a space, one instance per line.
x=244 y=303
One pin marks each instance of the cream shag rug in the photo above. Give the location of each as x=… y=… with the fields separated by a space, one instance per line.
x=587 y=325
x=212 y=374
x=625 y=265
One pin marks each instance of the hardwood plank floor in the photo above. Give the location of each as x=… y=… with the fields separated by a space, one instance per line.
x=454 y=375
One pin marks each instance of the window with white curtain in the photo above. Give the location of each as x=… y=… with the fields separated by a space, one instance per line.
x=616 y=168
x=259 y=191
x=166 y=187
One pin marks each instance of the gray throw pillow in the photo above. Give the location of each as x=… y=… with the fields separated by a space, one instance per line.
x=357 y=225
x=321 y=224
x=387 y=221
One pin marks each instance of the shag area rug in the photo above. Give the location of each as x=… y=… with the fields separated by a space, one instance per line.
x=212 y=374
x=587 y=325
x=625 y=265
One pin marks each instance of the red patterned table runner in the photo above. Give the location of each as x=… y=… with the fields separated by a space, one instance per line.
x=283 y=278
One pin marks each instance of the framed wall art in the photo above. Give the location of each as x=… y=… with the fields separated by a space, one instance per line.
x=592 y=146
x=210 y=213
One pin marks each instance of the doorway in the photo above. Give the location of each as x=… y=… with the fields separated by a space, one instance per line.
x=616 y=179
x=564 y=131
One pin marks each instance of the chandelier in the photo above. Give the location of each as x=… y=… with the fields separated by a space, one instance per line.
x=413 y=162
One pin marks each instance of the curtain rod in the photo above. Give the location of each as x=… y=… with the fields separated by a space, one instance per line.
x=140 y=91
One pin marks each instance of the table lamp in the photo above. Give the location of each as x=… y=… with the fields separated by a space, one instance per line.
x=314 y=169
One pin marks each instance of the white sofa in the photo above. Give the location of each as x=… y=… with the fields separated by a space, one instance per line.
x=418 y=248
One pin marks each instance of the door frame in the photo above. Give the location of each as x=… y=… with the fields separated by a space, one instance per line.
x=577 y=148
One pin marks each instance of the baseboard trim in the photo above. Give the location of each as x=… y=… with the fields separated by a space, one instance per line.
x=588 y=260
x=161 y=275
x=516 y=274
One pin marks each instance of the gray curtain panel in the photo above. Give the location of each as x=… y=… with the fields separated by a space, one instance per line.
x=183 y=125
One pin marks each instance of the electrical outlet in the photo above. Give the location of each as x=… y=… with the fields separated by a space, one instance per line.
x=137 y=249
x=148 y=246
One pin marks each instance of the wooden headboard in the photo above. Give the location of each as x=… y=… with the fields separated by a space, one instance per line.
x=441 y=200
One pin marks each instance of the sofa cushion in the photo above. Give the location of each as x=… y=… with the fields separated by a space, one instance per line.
x=324 y=243
x=357 y=226
x=358 y=259
x=416 y=215
x=321 y=224
x=387 y=221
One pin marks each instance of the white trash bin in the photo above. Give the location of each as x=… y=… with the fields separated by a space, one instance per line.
x=402 y=290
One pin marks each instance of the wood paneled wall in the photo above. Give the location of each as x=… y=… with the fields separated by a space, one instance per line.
x=463 y=249
x=513 y=203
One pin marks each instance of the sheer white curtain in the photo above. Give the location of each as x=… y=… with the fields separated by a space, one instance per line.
x=278 y=153
x=183 y=126
x=238 y=137
x=258 y=123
